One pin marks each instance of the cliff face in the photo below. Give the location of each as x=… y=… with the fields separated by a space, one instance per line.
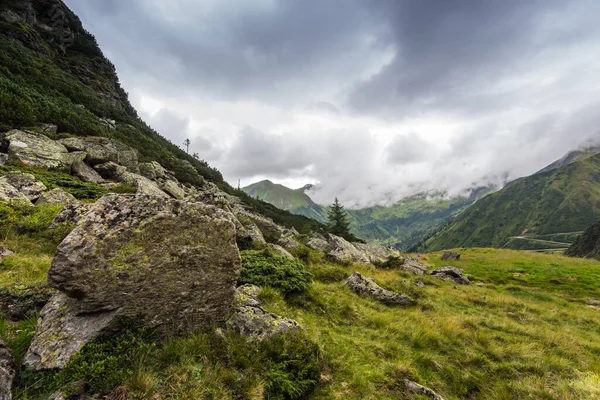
x=50 y=28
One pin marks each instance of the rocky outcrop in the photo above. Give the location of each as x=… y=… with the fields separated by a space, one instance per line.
x=101 y=150
x=451 y=274
x=415 y=388
x=376 y=253
x=152 y=170
x=341 y=250
x=366 y=287
x=317 y=244
x=269 y=229
x=8 y=372
x=24 y=183
x=175 y=189
x=57 y=196
x=413 y=266
x=70 y=215
x=280 y=250
x=287 y=239
x=10 y=193
x=254 y=322
x=36 y=149
x=450 y=256
x=171 y=264
x=84 y=172
x=144 y=186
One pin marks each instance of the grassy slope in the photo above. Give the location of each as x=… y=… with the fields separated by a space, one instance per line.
x=525 y=334
x=560 y=201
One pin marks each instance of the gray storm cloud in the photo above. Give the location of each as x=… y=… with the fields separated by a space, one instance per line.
x=374 y=100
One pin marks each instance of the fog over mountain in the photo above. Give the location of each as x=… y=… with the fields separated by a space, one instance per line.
x=373 y=100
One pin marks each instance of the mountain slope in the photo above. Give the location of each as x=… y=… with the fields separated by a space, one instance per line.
x=563 y=200
x=587 y=245
x=52 y=71
x=402 y=225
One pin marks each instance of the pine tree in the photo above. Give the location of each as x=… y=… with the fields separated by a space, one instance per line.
x=186 y=143
x=338 y=223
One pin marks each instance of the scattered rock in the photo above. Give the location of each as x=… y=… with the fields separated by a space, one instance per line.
x=419 y=284
x=413 y=266
x=376 y=253
x=57 y=196
x=143 y=185
x=254 y=322
x=111 y=170
x=173 y=188
x=450 y=256
x=3 y=159
x=269 y=229
x=101 y=150
x=341 y=250
x=366 y=287
x=4 y=252
x=85 y=172
x=10 y=193
x=281 y=251
x=287 y=239
x=8 y=372
x=152 y=170
x=25 y=183
x=480 y=284
x=75 y=156
x=171 y=264
x=317 y=244
x=415 y=388
x=47 y=128
x=593 y=302
x=36 y=149
x=450 y=274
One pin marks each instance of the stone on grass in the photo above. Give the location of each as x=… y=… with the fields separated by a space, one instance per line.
x=415 y=388
x=9 y=193
x=36 y=149
x=450 y=256
x=366 y=287
x=341 y=250
x=451 y=274
x=57 y=196
x=86 y=173
x=413 y=266
x=254 y=322
x=8 y=371
x=172 y=265
x=101 y=150
x=376 y=253
x=24 y=183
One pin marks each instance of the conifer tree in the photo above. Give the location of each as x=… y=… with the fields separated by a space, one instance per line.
x=338 y=223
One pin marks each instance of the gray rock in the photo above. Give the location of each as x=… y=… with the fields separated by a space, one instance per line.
x=8 y=372
x=366 y=287
x=24 y=183
x=451 y=256
x=419 y=284
x=144 y=186
x=47 y=128
x=169 y=263
x=282 y=251
x=413 y=266
x=173 y=188
x=85 y=172
x=111 y=170
x=288 y=242
x=317 y=244
x=4 y=252
x=152 y=170
x=101 y=150
x=61 y=332
x=70 y=214
x=75 y=156
x=376 y=253
x=9 y=193
x=3 y=159
x=57 y=196
x=450 y=274
x=269 y=229
x=36 y=149
x=415 y=388
x=249 y=319
x=109 y=124
x=341 y=250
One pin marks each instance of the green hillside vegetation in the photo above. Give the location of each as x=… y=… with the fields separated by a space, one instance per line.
x=553 y=205
x=526 y=333
x=41 y=83
x=587 y=244
x=403 y=225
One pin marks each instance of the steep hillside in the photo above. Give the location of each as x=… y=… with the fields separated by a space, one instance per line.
x=402 y=225
x=545 y=210
x=52 y=71
x=587 y=245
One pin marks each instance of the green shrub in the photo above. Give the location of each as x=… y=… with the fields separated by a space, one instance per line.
x=267 y=268
x=18 y=218
x=390 y=263
x=329 y=273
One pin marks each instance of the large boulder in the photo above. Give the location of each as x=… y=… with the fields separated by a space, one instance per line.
x=269 y=229
x=366 y=287
x=101 y=150
x=175 y=189
x=152 y=170
x=25 y=183
x=144 y=186
x=70 y=215
x=8 y=372
x=376 y=253
x=450 y=256
x=413 y=266
x=171 y=264
x=9 y=193
x=317 y=244
x=341 y=250
x=450 y=274
x=57 y=196
x=36 y=149
x=86 y=173
x=251 y=320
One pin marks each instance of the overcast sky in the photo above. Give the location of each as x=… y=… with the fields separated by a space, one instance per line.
x=371 y=99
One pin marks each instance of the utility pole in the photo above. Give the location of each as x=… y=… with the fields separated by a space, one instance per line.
x=239 y=181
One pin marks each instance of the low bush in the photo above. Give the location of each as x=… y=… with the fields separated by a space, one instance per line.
x=266 y=268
